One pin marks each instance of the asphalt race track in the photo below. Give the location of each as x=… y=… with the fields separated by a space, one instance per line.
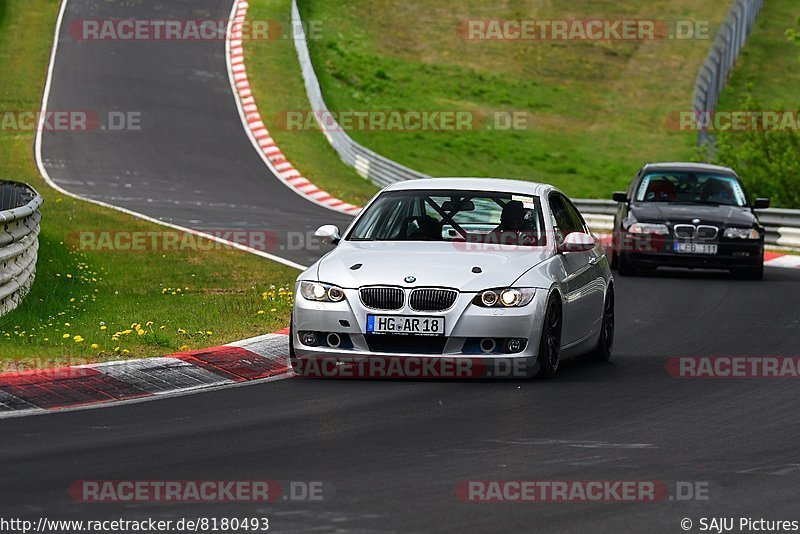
x=390 y=453
x=191 y=163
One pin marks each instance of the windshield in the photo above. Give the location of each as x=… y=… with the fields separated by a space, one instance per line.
x=691 y=187
x=474 y=216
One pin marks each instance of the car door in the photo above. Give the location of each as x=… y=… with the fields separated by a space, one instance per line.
x=595 y=287
x=580 y=273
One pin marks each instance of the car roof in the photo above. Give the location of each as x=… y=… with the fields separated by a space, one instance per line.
x=688 y=166
x=474 y=184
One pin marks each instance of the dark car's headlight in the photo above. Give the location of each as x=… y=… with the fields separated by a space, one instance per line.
x=321 y=292
x=742 y=233
x=504 y=297
x=648 y=228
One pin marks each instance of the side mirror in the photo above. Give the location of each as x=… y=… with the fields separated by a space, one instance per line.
x=577 y=242
x=620 y=196
x=761 y=204
x=328 y=234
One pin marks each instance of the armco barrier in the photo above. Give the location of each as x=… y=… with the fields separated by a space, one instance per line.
x=370 y=165
x=783 y=226
x=19 y=241
x=727 y=45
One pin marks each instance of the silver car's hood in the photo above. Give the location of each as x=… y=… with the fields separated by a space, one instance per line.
x=432 y=264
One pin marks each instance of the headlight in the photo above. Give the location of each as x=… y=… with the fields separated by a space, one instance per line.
x=645 y=228
x=317 y=291
x=504 y=298
x=742 y=233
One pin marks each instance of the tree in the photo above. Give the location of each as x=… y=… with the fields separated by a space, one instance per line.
x=767 y=160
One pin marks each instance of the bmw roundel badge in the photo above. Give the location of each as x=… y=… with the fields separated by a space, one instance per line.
x=410 y=279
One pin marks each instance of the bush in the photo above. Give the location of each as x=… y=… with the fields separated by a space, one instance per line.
x=767 y=161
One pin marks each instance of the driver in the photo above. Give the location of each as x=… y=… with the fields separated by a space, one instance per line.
x=512 y=229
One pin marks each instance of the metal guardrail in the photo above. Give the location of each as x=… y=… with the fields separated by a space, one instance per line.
x=371 y=165
x=725 y=49
x=19 y=241
x=783 y=226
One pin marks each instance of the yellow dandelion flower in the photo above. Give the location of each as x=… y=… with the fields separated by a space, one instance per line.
x=95 y=346
x=66 y=336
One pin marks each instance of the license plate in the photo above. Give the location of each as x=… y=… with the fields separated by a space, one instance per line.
x=695 y=248
x=404 y=324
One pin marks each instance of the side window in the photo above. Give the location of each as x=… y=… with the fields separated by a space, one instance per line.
x=577 y=219
x=566 y=218
x=559 y=217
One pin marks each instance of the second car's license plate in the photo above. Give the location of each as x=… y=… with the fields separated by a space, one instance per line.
x=695 y=248
x=405 y=324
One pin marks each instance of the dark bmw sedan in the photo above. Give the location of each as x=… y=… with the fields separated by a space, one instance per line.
x=688 y=215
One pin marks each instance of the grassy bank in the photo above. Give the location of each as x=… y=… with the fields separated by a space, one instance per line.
x=597 y=109
x=278 y=88
x=91 y=305
x=769 y=64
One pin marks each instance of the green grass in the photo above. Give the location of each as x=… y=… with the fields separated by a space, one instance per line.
x=278 y=87
x=769 y=64
x=599 y=108
x=189 y=299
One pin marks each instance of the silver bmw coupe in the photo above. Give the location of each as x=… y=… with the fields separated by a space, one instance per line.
x=502 y=273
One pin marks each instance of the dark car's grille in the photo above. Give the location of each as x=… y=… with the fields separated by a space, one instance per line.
x=707 y=232
x=690 y=231
x=432 y=299
x=684 y=231
x=411 y=344
x=382 y=298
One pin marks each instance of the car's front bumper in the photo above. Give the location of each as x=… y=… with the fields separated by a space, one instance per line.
x=465 y=323
x=731 y=255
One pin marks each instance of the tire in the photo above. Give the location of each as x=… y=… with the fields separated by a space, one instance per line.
x=625 y=268
x=605 y=345
x=550 y=343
